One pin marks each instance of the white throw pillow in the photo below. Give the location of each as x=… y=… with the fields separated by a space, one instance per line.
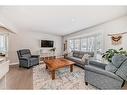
x=70 y=54
x=85 y=57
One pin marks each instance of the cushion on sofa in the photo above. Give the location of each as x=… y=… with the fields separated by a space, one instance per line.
x=77 y=57
x=26 y=55
x=122 y=71
x=24 y=51
x=81 y=54
x=77 y=60
x=33 y=61
x=90 y=53
x=117 y=60
x=69 y=57
x=76 y=53
x=70 y=54
x=111 y=68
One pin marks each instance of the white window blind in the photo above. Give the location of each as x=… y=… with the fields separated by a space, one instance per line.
x=84 y=44
x=71 y=45
x=88 y=44
x=77 y=44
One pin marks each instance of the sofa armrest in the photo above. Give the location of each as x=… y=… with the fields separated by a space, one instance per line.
x=102 y=72
x=97 y=64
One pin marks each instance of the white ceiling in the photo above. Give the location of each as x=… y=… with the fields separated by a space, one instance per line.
x=59 y=20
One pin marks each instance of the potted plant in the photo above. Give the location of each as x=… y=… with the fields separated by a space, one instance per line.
x=53 y=50
x=111 y=52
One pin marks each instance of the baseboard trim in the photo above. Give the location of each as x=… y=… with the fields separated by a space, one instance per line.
x=16 y=63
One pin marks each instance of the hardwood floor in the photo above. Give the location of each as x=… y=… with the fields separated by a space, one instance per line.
x=21 y=79
x=18 y=78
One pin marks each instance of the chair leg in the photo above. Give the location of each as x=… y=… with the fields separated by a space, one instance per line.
x=123 y=83
x=86 y=83
x=28 y=67
x=20 y=66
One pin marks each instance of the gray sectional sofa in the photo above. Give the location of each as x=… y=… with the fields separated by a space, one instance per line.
x=77 y=57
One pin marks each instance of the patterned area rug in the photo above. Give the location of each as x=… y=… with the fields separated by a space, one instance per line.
x=65 y=80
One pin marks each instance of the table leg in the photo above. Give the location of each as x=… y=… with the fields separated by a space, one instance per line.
x=71 y=68
x=53 y=74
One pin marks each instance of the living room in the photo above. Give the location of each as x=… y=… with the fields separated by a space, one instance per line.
x=55 y=34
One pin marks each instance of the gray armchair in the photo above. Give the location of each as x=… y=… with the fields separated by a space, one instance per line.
x=26 y=59
x=95 y=74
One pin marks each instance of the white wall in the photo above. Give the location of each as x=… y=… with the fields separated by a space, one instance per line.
x=5 y=23
x=115 y=26
x=30 y=40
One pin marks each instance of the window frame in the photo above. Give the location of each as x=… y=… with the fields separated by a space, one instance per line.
x=5 y=50
x=95 y=36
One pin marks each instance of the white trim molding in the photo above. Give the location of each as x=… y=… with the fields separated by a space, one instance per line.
x=16 y=63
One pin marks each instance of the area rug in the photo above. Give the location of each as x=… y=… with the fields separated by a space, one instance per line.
x=65 y=80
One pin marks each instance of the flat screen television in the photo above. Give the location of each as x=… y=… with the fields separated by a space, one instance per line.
x=47 y=43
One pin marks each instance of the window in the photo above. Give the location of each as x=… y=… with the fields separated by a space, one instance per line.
x=88 y=44
x=71 y=45
x=3 y=43
x=74 y=44
x=84 y=44
x=99 y=43
x=77 y=44
x=91 y=44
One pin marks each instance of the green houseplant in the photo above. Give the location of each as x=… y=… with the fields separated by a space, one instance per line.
x=53 y=49
x=111 y=52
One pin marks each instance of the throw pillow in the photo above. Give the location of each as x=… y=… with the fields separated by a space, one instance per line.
x=70 y=54
x=85 y=57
